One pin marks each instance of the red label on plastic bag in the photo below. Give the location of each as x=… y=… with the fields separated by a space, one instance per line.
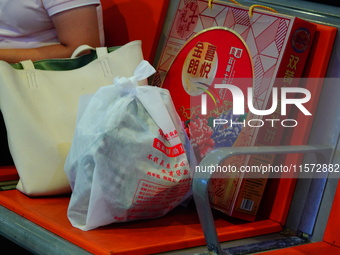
x=151 y=193
x=173 y=151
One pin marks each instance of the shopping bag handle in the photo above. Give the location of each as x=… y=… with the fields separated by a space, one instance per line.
x=155 y=106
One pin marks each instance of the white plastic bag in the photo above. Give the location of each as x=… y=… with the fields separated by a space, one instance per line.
x=127 y=160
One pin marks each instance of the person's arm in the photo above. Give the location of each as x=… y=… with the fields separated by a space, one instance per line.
x=74 y=27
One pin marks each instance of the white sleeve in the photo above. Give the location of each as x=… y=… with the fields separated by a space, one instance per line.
x=56 y=6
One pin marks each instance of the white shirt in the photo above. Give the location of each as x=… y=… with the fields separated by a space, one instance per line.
x=27 y=23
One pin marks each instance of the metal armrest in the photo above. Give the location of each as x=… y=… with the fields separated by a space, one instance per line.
x=201 y=180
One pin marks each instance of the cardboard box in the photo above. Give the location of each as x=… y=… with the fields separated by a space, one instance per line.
x=226 y=45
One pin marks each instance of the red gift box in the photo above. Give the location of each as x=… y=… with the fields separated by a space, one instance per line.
x=210 y=48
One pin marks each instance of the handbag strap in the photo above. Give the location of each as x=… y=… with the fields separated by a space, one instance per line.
x=27 y=64
x=101 y=51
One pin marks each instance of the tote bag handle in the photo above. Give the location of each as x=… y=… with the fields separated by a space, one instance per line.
x=101 y=51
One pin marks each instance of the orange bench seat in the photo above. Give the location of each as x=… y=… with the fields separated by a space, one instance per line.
x=178 y=230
